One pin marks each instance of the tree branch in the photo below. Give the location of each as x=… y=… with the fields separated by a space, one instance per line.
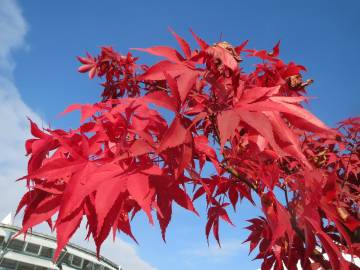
x=317 y=255
x=234 y=173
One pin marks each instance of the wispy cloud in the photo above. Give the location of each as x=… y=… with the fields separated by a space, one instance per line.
x=215 y=254
x=14 y=131
x=12 y=28
x=13 y=111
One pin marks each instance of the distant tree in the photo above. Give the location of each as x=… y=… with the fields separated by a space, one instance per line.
x=125 y=157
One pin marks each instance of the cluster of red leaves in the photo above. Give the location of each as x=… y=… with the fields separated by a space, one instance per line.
x=125 y=157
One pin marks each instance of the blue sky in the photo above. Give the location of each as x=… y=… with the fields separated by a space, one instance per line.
x=324 y=36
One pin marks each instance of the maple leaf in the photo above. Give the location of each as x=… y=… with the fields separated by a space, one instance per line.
x=214 y=214
x=175 y=135
x=89 y=65
x=203 y=45
x=139 y=189
x=156 y=72
x=183 y=44
x=162 y=99
x=167 y=52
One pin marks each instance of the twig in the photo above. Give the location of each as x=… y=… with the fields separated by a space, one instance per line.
x=348 y=163
x=234 y=173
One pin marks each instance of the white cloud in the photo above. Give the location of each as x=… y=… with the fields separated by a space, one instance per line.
x=14 y=131
x=13 y=111
x=12 y=28
x=229 y=248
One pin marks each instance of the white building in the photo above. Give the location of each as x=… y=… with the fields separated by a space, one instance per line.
x=36 y=250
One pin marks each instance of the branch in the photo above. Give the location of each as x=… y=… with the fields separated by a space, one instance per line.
x=229 y=169
x=317 y=255
x=348 y=163
x=234 y=173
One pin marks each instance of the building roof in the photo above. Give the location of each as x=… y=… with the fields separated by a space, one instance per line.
x=50 y=242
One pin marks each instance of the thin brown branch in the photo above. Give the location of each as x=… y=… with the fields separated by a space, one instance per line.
x=317 y=255
x=234 y=173
x=348 y=163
